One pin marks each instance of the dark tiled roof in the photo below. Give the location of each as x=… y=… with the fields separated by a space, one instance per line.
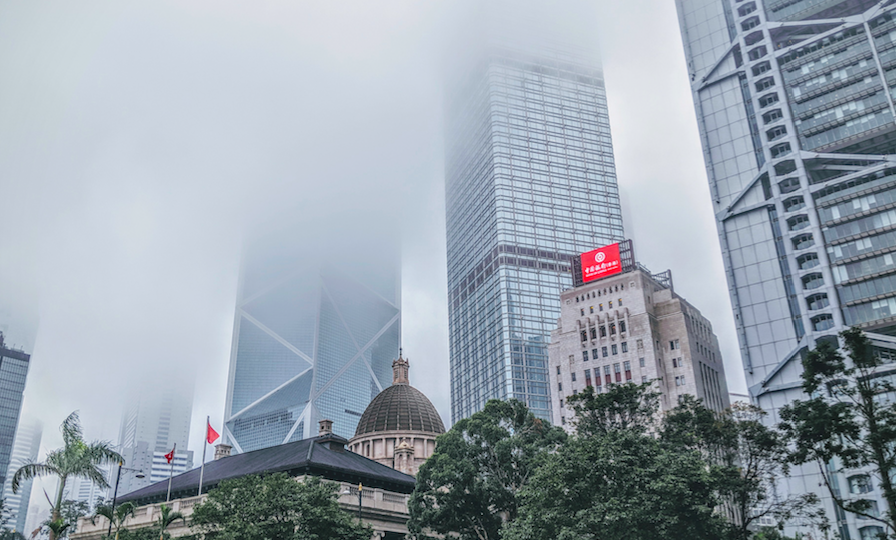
x=321 y=456
x=400 y=407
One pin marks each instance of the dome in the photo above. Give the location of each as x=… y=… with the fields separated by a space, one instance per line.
x=400 y=407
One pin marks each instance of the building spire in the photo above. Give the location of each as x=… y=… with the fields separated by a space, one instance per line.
x=400 y=370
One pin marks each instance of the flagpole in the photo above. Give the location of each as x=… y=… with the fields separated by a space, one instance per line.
x=204 y=445
x=171 y=472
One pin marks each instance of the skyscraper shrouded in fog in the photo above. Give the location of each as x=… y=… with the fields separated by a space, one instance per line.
x=156 y=418
x=25 y=450
x=530 y=183
x=317 y=327
x=14 y=365
x=795 y=106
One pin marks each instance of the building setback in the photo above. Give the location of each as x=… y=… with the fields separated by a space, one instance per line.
x=633 y=328
x=796 y=116
x=530 y=182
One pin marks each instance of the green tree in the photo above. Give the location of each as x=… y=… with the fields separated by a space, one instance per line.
x=275 y=506
x=117 y=517
x=615 y=480
x=745 y=458
x=469 y=487
x=76 y=459
x=69 y=512
x=847 y=420
x=166 y=518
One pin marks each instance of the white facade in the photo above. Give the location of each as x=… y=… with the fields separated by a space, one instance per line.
x=633 y=328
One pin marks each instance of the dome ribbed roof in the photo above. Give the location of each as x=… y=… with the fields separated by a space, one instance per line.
x=400 y=407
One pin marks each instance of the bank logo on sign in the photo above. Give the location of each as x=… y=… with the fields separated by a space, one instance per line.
x=606 y=262
x=600 y=256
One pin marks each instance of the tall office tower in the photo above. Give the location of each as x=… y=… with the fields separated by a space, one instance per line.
x=530 y=182
x=794 y=101
x=317 y=327
x=13 y=372
x=156 y=419
x=25 y=450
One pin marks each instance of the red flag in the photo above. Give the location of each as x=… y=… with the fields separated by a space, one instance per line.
x=170 y=456
x=212 y=435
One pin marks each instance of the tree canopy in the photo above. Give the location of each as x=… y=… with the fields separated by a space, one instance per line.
x=275 y=506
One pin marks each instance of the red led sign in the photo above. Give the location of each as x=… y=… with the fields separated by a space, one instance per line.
x=600 y=263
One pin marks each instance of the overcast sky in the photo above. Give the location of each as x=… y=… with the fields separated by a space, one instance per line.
x=137 y=139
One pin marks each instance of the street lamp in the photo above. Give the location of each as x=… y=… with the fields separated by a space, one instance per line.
x=349 y=492
x=115 y=493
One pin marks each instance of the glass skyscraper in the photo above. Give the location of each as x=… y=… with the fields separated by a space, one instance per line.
x=13 y=372
x=795 y=104
x=530 y=183
x=317 y=327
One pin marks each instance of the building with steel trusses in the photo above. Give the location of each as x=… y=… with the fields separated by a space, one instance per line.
x=794 y=101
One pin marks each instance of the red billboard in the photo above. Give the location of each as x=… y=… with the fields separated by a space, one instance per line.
x=600 y=263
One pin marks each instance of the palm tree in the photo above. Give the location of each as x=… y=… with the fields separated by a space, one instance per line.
x=166 y=518
x=76 y=459
x=118 y=517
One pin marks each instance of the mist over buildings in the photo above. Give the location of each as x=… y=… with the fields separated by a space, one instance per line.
x=141 y=144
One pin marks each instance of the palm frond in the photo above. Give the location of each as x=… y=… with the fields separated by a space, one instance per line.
x=102 y=511
x=31 y=470
x=124 y=511
x=95 y=475
x=71 y=430
x=101 y=452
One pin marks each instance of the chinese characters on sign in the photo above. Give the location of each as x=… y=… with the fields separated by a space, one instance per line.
x=601 y=263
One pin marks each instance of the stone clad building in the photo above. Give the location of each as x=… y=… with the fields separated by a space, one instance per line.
x=400 y=426
x=633 y=327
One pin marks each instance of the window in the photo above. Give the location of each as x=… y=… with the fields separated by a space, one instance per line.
x=584 y=335
x=812 y=281
x=794 y=203
x=674 y=344
x=765 y=84
x=641 y=362
x=561 y=403
x=610 y=304
x=563 y=420
x=628 y=370
x=617 y=372
x=558 y=370
x=573 y=374
x=768 y=99
x=594 y=354
x=587 y=377
x=612 y=329
x=823 y=322
x=607 y=375
x=871 y=532
x=585 y=355
x=803 y=241
x=614 y=349
x=675 y=362
x=593 y=333
x=591 y=309
x=600 y=307
x=560 y=386
x=624 y=346
x=622 y=326
x=772 y=116
x=677 y=381
x=761 y=67
x=682 y=380
x=639 y=343
x=780 y=150
x=603 y=331
x=818 y=301
x=746 y=9
x=603 y=351
x=750 y=23
x=807 y=261
x=789 y=185
x=798 y=222
x=643 y=379
x=620 y=305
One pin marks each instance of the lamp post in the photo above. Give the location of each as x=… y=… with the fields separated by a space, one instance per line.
x=349 y=492
x=115 y=492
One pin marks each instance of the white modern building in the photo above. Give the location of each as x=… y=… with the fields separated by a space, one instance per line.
x=794 y=101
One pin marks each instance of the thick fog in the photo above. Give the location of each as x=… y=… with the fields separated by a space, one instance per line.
x=140 y=140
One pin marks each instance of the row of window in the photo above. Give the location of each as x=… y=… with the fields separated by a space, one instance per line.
x=603 y=331
x=604 y=351
x=601 y=307
x=608 y=290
